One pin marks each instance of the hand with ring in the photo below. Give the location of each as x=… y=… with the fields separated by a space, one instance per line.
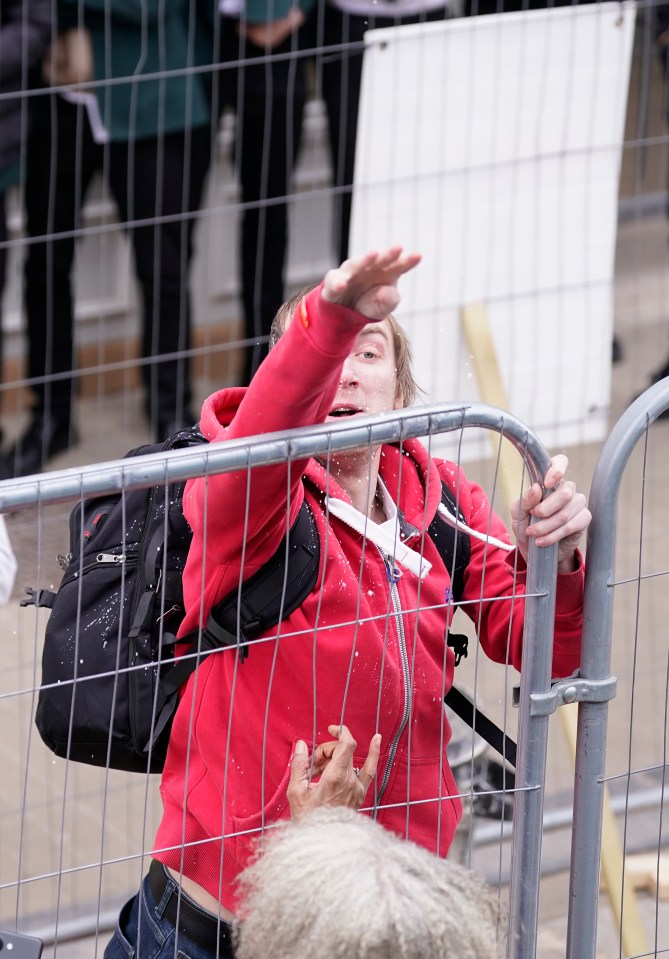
x=329 y=778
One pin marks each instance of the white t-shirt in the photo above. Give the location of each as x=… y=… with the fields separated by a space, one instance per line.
x=385 y=535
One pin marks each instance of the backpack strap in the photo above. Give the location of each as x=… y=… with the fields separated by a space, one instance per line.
x=453 y=543
x=455 y=550
x=482 y=725
x=274 y=591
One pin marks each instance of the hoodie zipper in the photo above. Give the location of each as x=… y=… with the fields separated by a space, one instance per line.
x=404 y=657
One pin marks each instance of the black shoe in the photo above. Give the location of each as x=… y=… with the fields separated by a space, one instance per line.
x=45 y=437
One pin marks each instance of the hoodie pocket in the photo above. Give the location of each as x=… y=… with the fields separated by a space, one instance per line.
x=246 y=831
x=434 y=807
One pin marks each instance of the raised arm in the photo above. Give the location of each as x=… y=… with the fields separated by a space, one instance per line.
x=295 y=386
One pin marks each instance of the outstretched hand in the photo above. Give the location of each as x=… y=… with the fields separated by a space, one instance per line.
x=340 y=784
x=562 y=517
x=368 y=284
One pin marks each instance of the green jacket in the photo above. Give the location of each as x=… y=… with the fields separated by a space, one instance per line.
x=138 y=38
x=255 y=11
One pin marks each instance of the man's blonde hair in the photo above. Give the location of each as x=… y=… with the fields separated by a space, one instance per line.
x=407 y=388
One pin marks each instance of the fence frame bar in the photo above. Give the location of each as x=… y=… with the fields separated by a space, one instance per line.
x=589 y=779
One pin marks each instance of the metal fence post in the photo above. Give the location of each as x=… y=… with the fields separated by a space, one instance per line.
x=596 y=667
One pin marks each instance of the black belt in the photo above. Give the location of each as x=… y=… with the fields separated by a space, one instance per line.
x=200 y=926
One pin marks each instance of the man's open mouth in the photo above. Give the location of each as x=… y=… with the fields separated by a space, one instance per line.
x=344 y=411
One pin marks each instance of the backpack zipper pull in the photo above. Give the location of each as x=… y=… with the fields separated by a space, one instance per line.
x=168 y=612
x=115 y=558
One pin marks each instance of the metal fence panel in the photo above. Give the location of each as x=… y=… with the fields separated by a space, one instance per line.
x=77 y=837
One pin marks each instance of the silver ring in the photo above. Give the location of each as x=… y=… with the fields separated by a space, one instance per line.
x=356 y=770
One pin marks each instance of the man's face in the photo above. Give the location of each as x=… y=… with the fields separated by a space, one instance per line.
x=369 y=379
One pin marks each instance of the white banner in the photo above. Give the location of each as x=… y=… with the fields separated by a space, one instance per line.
x=493 y=146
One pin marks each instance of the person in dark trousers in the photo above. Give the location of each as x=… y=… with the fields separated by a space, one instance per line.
x=336 y=30
x=25 y=33
x=258 y=75
x=150 y=139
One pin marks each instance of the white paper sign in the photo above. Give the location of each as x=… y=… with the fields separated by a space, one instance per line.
x=493 y=145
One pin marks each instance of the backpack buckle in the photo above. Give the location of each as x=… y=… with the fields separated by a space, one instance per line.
x=459 y=644
x=38 y=597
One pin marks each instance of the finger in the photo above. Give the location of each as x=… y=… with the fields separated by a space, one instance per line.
x=299 y=763
x=409 y=261
x=388 y=257
x=323 y=755
x=522 y=509
x=564 y=500
x=556 y=471
x=324 y=752
x=343 y=734
x=298 y=784
x=369 y=767
x=295 y=17
x=573 y=515
x=344 y=749
x=358 y=264
x=552 y=531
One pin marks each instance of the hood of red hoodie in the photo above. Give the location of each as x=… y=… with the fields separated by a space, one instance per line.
x=219 y=411
x=411 y=477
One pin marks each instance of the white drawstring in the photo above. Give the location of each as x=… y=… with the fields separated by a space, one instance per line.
x=391 y=544
x=449 y=518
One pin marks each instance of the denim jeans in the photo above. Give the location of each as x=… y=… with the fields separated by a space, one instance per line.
x=144 y=932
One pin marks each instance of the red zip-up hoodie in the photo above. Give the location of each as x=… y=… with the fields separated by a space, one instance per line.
x=362 y=649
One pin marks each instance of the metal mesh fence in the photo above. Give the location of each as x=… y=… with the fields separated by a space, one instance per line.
x=244 y=151
x=75 y=837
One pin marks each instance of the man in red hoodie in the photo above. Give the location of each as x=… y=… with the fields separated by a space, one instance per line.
x=366 y=648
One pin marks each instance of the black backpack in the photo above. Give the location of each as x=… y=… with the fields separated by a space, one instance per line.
x=113 y=621
x=110 y=679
